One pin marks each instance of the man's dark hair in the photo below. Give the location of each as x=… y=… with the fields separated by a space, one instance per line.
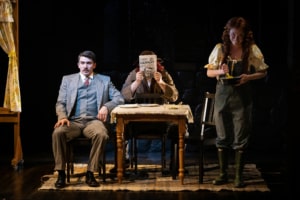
x=88 y=54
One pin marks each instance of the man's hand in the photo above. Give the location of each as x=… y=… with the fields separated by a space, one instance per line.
x=103 y=113
x=158 y=77
x=139 y=76
x=62 y=122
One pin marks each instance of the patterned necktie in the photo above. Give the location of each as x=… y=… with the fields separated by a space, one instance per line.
x=87 y=81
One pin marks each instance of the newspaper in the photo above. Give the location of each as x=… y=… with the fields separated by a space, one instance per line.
x=148 y=64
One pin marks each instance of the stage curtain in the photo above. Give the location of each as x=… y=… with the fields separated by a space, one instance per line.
x=12 y=97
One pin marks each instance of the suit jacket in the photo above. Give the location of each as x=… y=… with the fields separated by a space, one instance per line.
x=107 y=94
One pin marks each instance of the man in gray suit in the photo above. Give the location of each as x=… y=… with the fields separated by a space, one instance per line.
x=84 y=103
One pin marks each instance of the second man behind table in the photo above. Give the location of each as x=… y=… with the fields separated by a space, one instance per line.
x=155 y=81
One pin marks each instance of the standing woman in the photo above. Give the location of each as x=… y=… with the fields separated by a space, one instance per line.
x=238 y=56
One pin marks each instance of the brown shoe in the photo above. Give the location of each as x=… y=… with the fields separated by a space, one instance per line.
x=90 y=179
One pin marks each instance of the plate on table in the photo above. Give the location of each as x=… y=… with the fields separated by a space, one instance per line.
x=173 y=106
x=148 y=104
x=129 y=106
x=230 y=81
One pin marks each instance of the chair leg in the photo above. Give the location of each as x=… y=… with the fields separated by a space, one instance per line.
x=70 y=166
x=102 y=167
x=163 y=153
x=70 y=163
x=135 y=152
x=174 y=159
x=68 y=172
x=201 y=161
x=132 y=159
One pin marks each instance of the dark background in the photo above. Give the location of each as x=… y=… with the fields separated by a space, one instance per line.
x=52 y=33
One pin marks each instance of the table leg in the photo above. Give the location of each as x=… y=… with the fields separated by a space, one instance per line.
x=181 y=133
x=120 y=143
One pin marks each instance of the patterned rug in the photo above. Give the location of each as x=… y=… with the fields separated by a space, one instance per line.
x=150 y=178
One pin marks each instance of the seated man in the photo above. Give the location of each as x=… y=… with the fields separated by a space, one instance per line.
x=84 y=103
x=149 y=80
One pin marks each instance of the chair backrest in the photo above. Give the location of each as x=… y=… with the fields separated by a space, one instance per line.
x=149 y=98
x=207 y=118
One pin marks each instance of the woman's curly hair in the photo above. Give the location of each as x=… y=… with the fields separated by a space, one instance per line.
x=248 y=40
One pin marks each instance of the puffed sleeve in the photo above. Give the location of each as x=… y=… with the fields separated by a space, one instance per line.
x=215 y=57
x=256 y=59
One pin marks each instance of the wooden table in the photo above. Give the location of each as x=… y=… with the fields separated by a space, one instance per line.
x=7 y=116
x=123 y=114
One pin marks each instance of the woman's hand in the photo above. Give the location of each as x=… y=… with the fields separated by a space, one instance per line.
x=225 y=69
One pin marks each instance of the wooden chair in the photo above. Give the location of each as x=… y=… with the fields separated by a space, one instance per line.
x=207 y=129
x=86 y=142
x=139 y=132
x=201 y=136
x=7 y=116
x=82 y=142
